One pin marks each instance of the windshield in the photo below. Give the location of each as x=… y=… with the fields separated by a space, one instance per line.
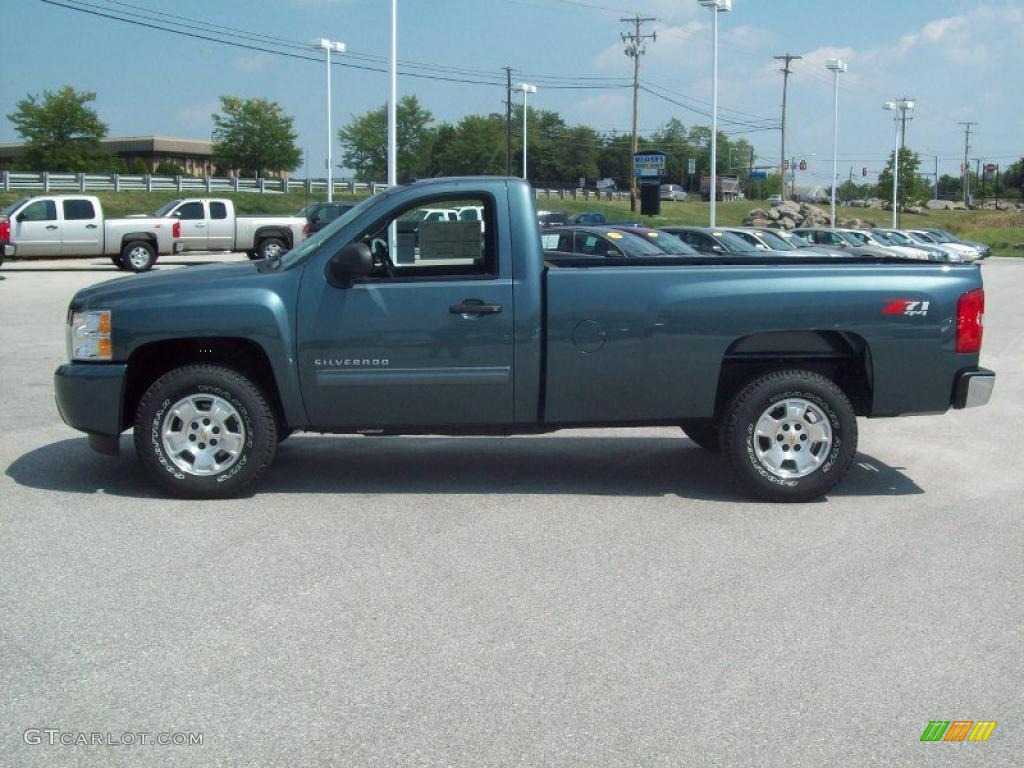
x=857 y=238
x=731 y=242
x=942 y=235
x=13 y=207
x=166 y=207
x=634 y=244
x=921 y=237
x=882 y=238
x=664 y=243
x=313 y=242
x=775 y=242
x=305 y=212
x=898 y=237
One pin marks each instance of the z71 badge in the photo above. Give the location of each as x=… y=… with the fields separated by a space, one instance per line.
x=906 y=307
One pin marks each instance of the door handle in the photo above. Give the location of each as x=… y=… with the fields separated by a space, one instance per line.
x=474 y=307
x=51 y=226
x=200 y=225
x=90 y=226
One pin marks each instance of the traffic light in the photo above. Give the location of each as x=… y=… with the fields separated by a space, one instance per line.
x=864 y=171
x=803 y=165
x=785 y=165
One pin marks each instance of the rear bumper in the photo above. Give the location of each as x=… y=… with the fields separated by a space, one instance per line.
x=973 y=388
x=7 y=249
x=90 y=397
x=178 y=247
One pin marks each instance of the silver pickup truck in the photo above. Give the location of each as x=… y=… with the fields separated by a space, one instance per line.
x=74 y=225
x=211 y=225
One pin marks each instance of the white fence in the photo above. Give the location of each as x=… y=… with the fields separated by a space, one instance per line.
x=123 y=182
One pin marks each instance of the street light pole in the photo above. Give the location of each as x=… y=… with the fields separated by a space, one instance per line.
x=837 y=66
x=328 y=46
x=525 y=88
x=898 y=108
x=392 y=104
x=716 y=6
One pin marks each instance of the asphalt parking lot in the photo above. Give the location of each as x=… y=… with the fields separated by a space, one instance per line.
x=595 y=598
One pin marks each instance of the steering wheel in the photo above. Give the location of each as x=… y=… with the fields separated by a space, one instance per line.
x=381 y=256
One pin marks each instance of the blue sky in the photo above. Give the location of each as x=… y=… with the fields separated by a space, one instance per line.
x=960 y=60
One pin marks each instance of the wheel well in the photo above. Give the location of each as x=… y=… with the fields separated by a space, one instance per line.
x=151 y=361
x=133 y=236
x=263 y=234
x=845 y=358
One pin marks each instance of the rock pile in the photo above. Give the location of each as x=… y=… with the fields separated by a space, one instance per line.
x=787 y=215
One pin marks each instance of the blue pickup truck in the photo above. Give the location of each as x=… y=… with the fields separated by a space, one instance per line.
x=384 y=323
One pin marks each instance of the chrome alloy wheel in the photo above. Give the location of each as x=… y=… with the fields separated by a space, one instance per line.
x=272 y=250
x=138 y=257
x=792 y=438
x=202 y=434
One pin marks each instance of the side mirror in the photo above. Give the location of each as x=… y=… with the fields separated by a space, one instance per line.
x=21 y=216
x=717 y=249
x=349 y=264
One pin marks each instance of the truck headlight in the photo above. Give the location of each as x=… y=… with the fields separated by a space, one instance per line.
x=89 y=335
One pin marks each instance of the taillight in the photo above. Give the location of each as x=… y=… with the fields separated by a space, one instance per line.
x=176 y=229
x=305 y=229
x=970 y=317
x=5 y=230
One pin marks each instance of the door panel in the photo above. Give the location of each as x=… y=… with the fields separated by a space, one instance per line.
x=81 y=229
x=36 y=229
x=193 y=225
x=221 y=229
x=394 y=354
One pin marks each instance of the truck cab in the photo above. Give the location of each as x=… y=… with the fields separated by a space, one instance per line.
x=206 y=225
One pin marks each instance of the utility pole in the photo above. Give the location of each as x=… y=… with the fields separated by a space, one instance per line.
x=967 y=168
x=936 y=174
x=903 y=121
x=788 y=58
x=981 y=180
x=635 y=49
x=508 y=121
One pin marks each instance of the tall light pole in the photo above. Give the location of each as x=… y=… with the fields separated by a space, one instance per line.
x=837 y=66
x=716 y=6
x=392 y=103
x=525 y=88
x=328 y=46
x=899 y=110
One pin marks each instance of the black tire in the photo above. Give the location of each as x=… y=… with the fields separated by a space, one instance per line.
x=116 y=261
x=705 y=432
x=283 y=433
x=253 y=256
x=742 y=446
x=270 y=247
x=138 y=256
x=256 y=427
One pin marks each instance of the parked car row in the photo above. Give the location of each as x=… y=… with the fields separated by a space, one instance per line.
x=631 y=241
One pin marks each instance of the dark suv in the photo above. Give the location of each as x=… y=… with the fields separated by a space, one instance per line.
x=319 y=215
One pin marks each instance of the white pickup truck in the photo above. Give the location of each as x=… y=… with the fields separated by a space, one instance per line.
x=211 y=225
x=73 y=225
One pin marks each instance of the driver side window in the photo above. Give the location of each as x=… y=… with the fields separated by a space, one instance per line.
x=429 y=240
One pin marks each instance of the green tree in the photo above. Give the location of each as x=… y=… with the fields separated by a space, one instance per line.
x=950 y=187
x=476 y=145
x=254 y=137
x=1013 y=178
x=364 y=141
x=62 y=132
x=911 y=187
x=169 y=169
x=139 y=167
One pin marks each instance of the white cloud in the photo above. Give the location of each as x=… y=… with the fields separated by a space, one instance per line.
x=257 y=62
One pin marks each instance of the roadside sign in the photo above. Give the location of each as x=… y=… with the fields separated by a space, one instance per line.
x=691 y=166
x=991 y=168
x=758 y=175
x=649 y=164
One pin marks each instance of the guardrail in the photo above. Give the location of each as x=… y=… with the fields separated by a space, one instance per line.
x=125 y=182
x=128 y=182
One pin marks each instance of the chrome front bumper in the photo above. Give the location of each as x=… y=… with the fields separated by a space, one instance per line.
x=973 y=388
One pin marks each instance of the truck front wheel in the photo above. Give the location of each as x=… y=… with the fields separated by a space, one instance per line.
x=790 y=435
x=205 y=431
x=138 y=256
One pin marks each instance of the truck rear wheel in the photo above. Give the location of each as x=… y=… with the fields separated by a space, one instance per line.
x=790 y=435
x=705 y=433
x=138 y=256
x=205 y=431
x=271 y=248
